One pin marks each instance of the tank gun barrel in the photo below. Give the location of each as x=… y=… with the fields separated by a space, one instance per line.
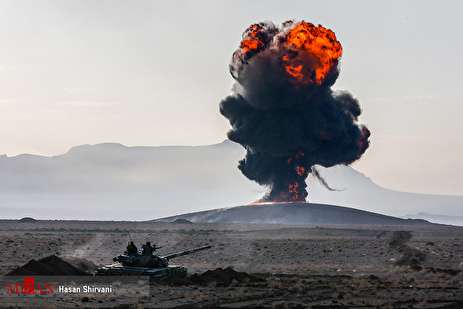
x=185 y=252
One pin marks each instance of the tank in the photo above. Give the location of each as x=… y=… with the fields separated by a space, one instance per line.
x=147 y=263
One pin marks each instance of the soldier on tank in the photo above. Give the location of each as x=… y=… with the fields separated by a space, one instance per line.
x=132 y=249
x=147 y=249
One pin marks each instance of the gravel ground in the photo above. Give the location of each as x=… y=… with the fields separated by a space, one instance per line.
x=299 y=266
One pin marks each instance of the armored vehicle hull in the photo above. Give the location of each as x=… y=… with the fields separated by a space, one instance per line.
x=117 y=269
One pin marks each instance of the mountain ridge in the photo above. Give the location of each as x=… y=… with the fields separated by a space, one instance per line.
x=114 y=181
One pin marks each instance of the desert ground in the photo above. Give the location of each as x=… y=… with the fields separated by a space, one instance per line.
x=364 y=266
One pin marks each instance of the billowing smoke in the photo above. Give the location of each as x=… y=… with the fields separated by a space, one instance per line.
x=283 y=110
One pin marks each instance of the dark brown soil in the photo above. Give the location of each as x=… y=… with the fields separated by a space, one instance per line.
x=48 y=266
x=222 y=277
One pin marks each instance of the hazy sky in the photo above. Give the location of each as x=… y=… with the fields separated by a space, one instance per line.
x=153 y=72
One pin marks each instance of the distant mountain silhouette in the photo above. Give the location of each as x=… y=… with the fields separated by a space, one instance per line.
x=451 y=220
x=291 y=213
x=112 y=181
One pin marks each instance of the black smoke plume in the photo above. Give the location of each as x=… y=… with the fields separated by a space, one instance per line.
x=283 y=110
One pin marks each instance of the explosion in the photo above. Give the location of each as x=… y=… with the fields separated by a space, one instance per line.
x=319 y=42
x=283 y=110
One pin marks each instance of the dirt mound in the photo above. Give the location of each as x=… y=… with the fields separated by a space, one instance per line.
x=48 y=266
x=182 y=221
x=292 y=213
x=222 y=277
x=27 y=220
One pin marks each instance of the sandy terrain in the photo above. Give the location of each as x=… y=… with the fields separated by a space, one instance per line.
x=297 y=266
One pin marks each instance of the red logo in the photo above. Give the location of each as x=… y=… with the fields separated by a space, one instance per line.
x=29 y=287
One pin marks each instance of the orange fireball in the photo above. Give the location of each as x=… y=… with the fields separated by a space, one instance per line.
x=251 y=40
x=307 y=53
x=318 y=43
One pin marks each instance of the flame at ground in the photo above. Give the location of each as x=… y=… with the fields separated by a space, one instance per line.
x=295 y=189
